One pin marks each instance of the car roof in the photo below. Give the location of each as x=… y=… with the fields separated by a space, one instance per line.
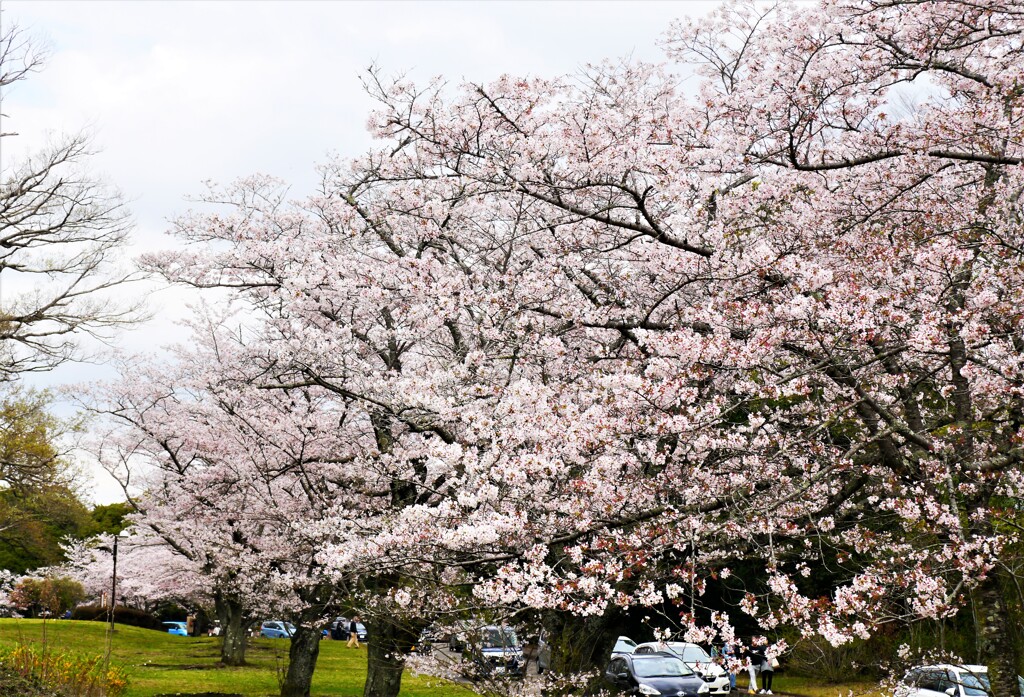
x=656 y=654
x=967 y=668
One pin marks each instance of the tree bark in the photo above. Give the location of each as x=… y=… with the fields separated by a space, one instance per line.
x=302 y=655
x=385 y=657
x=580 y=644
x=232 y=630
x=996 y=640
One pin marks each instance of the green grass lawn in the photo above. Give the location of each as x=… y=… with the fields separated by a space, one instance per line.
x=784 y=684
x=159 y=663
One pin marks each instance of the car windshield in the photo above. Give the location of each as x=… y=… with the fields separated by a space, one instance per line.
x=498 y=638
x=660 y=666
x=690 y=654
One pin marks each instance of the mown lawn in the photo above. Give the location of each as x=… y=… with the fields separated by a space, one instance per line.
x=784 y=684
x=158 y=663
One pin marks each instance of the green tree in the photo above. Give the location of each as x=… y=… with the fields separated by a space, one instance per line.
x=53 y=595
x=109 y=518
x=39 y=501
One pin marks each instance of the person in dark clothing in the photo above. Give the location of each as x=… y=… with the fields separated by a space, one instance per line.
x=767 y=673
x=754 y=661
x=353 y=633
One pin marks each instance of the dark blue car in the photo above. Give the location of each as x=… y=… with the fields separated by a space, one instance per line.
x=653 y=674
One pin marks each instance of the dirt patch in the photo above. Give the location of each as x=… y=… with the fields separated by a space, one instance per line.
x=15 y=685
x=198 y=694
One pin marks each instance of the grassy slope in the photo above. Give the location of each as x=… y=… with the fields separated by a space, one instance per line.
x=160 y=663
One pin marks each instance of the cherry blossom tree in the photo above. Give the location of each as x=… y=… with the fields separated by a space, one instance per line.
x=598 y=339
x=227 y=478
x=799 y=286
x=149 y=571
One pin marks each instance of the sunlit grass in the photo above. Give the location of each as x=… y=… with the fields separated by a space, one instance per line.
x=159 y=663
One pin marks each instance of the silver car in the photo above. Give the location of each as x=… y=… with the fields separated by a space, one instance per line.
x=946 y=680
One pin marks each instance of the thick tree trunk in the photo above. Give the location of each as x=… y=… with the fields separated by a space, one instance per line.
x=580 y=644
x=302 y=655
x=385 y=658
x=996 y=640
x=232 y=630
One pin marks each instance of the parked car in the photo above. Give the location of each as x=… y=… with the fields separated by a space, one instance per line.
x=340 y=627
x=623 y=645
x=276 y=629
x=176 y=628
x=696 y=659
x=429 y=637
x=949 y=681
x=653 y=674
x=490 y=650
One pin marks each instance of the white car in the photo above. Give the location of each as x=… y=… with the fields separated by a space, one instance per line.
x=698 y=660
x=623 y=646
x=948 y=681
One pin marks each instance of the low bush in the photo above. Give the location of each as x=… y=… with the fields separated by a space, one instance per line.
x=122 y=615
x=65 y=673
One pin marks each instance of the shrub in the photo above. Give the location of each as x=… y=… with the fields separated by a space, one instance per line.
x=815 y=657
x=52 y=594
x=66 y=673
x=122 y=615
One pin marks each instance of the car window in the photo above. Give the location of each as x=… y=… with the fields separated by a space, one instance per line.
x=932 y=680
x=624 y=646
x=912 y=677
x=693 y=654
x=617 y=666
x=498 y=638
x=660 y=666
x=949 y=680
x=643 y=650
x=974 y=684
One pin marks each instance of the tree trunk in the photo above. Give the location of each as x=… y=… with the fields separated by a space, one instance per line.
x=580 y=644
x=302 y=655
x=997 y=645
x=232 y=630
x=385 y=658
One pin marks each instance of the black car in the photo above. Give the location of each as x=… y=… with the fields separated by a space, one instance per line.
x=653 y=674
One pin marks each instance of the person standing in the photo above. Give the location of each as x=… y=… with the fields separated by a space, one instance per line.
x=727 y=663
x=768 y=664
x=754 y=661
x=353 y=633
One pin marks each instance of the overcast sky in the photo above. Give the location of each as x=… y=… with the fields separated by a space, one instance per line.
x=177 y=93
